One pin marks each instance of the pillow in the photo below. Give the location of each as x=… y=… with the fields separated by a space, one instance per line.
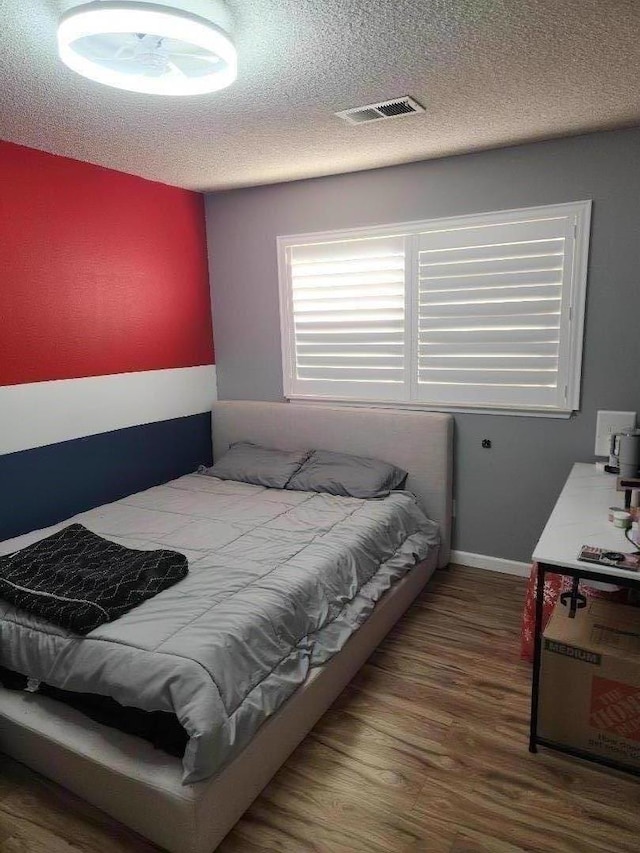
x=347 y=475
x=262 y=466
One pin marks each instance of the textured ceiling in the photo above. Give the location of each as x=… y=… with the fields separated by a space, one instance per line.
x=489 y=72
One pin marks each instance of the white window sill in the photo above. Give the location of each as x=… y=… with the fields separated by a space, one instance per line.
x=563 y=414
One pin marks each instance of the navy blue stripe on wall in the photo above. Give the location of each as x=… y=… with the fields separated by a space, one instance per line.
x=45 y=485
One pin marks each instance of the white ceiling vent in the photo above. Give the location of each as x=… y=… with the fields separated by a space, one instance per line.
x=397 y=108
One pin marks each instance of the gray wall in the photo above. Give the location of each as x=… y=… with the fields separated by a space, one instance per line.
x=504 y=494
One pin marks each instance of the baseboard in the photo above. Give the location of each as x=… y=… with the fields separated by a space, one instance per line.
x=494 y=564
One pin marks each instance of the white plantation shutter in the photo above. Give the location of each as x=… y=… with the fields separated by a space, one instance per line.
x=494 y=311
x=484 y=311
x=347 y=312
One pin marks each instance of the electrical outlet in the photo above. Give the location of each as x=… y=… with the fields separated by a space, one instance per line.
x=608 y=423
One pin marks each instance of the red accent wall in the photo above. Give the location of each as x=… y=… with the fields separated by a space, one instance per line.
x=100 y=272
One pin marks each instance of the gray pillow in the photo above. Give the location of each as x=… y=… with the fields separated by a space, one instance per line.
x=262 y=466
x=347 y=475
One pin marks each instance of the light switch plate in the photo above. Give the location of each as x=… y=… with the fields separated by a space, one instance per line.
x=608 y=423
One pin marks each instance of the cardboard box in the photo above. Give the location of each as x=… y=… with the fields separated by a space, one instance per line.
x=590 y=680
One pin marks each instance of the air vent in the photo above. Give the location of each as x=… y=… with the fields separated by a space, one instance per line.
x=397 y=108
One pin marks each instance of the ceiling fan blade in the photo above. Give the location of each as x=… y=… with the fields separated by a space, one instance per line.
x=111 y=45
x=175 y=68
x=118 y=59
x=119 y=54
x=203 y=57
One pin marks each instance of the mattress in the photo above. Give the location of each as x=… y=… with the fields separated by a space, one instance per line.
x=278 y=582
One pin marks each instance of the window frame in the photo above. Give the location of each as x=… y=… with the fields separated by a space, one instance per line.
x=572 y=333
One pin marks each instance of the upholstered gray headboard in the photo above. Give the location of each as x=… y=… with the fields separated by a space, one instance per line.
x=419 y=442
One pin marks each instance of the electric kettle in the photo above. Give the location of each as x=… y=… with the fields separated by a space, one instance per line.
x=624 y=452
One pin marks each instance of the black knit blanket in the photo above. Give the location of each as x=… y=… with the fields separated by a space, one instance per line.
x=78 y=580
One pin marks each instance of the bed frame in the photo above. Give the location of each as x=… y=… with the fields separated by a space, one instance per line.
x=141 y=786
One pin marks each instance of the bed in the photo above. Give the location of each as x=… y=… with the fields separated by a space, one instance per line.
x=143 y=787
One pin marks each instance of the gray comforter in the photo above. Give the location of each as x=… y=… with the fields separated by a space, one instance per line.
x=278 y=581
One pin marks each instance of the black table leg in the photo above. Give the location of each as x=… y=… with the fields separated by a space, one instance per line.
x=537 y=650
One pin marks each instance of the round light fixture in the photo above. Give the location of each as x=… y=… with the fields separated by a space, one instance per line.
x=149 y=48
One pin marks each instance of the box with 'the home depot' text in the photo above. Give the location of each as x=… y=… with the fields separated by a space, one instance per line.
x=590 y=680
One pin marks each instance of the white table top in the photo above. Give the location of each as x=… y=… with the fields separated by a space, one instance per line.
x=580 y=518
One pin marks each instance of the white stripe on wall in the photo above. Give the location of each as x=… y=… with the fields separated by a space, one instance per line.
x=40 y=413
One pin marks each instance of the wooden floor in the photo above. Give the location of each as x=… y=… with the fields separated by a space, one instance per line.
x=425 y=751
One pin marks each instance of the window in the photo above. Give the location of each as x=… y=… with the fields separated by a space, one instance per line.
x=482 y=311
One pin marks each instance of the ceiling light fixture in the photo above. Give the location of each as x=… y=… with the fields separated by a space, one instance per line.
x=149 y=48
